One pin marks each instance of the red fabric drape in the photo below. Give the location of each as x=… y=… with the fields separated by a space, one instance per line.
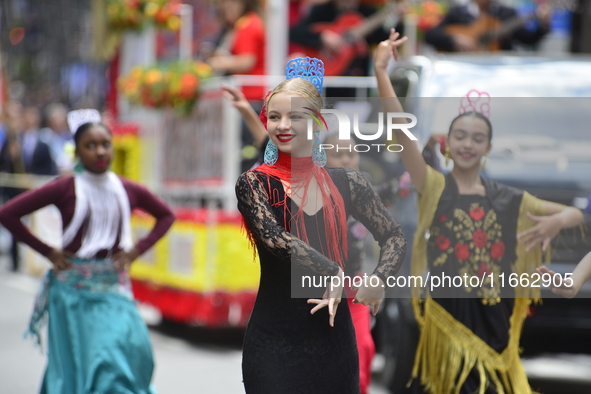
x=298 y=172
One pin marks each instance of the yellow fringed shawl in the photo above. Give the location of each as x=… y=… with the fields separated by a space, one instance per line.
x=448 y=350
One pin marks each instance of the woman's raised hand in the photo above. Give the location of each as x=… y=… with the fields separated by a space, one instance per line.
x=236 y=97
x=388 y=48
x=332 y=297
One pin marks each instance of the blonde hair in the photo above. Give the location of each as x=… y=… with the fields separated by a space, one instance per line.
x=302 y=87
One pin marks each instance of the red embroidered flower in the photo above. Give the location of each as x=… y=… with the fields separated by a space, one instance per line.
x=443 y=218
x=442 y=242
x=483 y=270
x=462 y=251
x=477 y=213
x=480 y=238
x=497 y=250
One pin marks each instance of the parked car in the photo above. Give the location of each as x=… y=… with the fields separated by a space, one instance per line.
x=541 y=144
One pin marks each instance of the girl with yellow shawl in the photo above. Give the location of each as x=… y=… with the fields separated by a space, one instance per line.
x=468 y=225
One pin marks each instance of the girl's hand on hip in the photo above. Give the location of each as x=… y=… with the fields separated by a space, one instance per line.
x=122 y=260
x=59 y=259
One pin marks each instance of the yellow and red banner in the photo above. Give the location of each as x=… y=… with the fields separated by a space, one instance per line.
x=202 y=272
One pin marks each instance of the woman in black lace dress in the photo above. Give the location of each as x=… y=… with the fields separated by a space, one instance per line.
x=295 y=213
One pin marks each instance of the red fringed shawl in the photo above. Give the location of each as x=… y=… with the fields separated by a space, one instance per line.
x=298 y=172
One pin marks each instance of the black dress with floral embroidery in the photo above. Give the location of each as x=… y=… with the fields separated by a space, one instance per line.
x=475 y=236
x=286 y=349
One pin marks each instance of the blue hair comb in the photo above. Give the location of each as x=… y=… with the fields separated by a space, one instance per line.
x=308 y=68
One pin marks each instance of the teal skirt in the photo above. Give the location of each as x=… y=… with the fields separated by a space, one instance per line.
x=97 y=341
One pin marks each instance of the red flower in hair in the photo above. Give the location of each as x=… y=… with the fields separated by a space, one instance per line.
x=442 y=242
x=462 y=251
x=443 y=218
x=480 y=238
x=477 y=213
x=442 y=145
x=263 y=114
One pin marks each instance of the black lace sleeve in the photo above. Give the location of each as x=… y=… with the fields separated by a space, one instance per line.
x=253 y=203
x=369 y=210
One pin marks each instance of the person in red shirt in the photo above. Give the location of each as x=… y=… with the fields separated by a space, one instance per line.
x=241 y=48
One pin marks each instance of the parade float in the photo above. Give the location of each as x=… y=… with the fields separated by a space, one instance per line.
x=174 y=132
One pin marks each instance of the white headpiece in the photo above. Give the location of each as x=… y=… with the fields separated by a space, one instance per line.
x=81 y=116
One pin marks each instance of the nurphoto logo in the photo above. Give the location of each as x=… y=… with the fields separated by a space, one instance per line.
x=344 y=132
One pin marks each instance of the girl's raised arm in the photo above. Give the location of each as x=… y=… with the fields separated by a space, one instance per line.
x=411 y=156
x=239 y=101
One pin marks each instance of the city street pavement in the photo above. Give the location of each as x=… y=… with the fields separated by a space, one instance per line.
x=181 y=367
x=191 y=360
x=21 y=363
x=188 y=360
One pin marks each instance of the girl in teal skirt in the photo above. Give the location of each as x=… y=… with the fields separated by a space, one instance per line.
x=97 y=341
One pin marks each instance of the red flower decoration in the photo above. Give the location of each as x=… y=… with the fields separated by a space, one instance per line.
x=442 y=242
x=443 y=218
x=442 y=145
x=462 y=251
x=263 y=114
x=477 y=213
x=483 y=270
x=497 y=250
x=480 y=238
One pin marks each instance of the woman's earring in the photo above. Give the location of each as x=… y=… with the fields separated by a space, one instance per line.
x=447 y=155
x=483 y=166
x=318 y=154
x=271 y=153
x=78 y=166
